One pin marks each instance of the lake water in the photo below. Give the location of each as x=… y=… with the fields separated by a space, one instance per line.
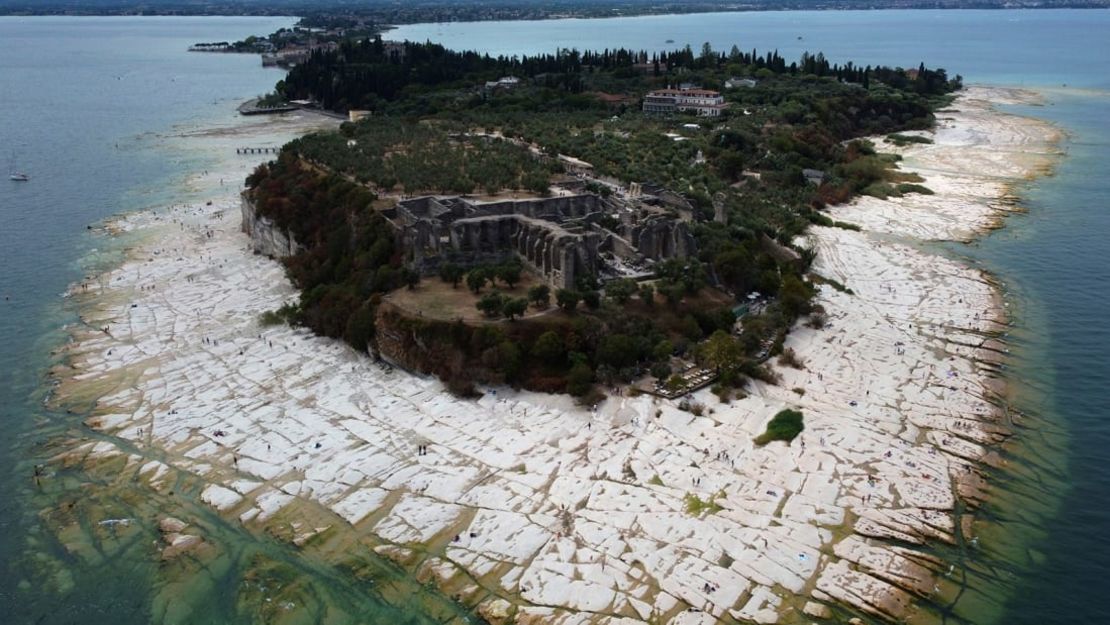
x=98 y=111
x=88 y=103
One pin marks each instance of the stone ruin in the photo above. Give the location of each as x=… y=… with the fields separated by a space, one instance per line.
x=559 y=238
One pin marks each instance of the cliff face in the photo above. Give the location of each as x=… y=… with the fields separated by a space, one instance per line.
x=426 y=346
x=266 y=237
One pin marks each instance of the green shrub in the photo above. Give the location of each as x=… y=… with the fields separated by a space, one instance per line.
x=695 y=506
x=783 y=427
x=288 y=313
x=901 y=140
x=914 y=188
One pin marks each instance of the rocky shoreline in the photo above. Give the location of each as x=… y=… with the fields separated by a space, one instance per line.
x=527 y=507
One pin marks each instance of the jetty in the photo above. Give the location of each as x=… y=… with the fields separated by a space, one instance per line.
x=261 y=150
x=251 y=107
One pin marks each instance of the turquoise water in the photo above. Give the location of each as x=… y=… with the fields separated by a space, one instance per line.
x=87 y=104
x=93 y=109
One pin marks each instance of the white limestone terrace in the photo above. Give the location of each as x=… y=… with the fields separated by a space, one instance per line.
x=576 y=516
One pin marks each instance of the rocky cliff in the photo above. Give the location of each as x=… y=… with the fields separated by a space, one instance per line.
x=266 y=237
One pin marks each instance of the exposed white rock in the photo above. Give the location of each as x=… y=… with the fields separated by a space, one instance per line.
x=530 y=499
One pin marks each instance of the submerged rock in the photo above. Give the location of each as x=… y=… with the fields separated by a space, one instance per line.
x=179 y=544
x=496 y=611
x=171 y=525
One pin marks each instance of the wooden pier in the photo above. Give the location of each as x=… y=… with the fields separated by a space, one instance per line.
x=257 y=150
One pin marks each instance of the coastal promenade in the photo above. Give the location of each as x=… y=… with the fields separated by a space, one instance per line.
x=526 y=503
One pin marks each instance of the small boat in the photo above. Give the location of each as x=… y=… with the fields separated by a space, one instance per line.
x=16 y=175
x=670 y=41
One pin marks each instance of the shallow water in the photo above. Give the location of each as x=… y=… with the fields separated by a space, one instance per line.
x=128 y=128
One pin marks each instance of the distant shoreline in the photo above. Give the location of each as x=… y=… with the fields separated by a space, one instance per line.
x=851 y=5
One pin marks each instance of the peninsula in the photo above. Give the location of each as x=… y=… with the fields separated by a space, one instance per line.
x=639 y=213
x=673 y=350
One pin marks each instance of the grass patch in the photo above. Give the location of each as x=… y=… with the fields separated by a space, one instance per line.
x=901 y=140
x=914 y=188
x=783 y=427
x=881 y=190
x=817 y=218
x=833 y=283
x=695 y=506
x=289 y=313
x=655 y=481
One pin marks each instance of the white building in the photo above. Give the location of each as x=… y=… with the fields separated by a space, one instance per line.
x=701 y=101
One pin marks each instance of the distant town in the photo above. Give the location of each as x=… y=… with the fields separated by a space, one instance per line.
x=418 y=11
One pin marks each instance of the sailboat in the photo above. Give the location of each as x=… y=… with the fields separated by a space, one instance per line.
x=16 y=176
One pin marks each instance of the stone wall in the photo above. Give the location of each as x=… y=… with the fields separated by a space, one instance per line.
x=551 y=251
x=559 y=238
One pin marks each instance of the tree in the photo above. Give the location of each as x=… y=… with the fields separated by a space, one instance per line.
x=360 y=327
x=708 y=57
x=476 y=279
x=514 y=307
x=794 y=295
x=722 y=352
x=567 y=299
x=509 y=273
x=592 y=299
x=491 y=304
x=586 y=282
x=620 y=291
x=450 y=272
x=549 y=349
x=673 y=291
x=662 y=350
x=660 y=370
x=736 y=269
x=617 y=351
x=647 y=294
x=691 y=329
x=579 y=379
x=412 y=278
x=540 y=295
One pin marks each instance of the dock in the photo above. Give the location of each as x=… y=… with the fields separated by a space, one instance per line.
x=251 y=107
x=262 y=150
